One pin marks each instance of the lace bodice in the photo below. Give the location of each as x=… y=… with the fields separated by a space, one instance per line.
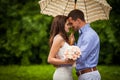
x=62 y=50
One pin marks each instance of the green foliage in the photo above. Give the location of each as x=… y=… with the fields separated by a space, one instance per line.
x=23 y=31
x=106 y=34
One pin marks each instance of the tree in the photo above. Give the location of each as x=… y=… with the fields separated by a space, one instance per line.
x=23 y=31
x=108 y=32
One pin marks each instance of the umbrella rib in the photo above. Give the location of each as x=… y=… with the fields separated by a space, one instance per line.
x=104 y=11
x=46 y=6
x=65 y=8
x=86 y=10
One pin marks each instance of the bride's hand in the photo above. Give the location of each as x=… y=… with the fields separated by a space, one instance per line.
x=70 y=61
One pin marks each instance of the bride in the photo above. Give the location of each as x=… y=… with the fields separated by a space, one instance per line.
x=59 y=41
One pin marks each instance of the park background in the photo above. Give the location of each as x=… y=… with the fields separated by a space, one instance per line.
x=24 y=37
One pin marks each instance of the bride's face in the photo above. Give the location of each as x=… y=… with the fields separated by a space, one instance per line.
x=67 y=26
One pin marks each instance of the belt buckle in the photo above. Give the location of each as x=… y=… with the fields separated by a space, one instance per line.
x=80 y=73
x=92 y=69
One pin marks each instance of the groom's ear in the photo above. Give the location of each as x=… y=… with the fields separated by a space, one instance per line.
x=79 y=20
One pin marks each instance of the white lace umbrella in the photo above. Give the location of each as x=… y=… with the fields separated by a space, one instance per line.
x=93 y=9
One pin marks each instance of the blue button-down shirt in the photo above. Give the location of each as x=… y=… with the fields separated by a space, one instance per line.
x=89 y=45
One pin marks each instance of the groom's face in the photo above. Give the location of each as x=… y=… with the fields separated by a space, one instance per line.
x=74 y=23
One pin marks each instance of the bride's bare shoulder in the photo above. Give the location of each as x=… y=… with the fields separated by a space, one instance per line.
x=58 y=40
x=58 y=37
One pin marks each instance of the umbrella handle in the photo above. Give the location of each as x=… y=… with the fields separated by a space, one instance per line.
x=75 y=1
x=75 y=4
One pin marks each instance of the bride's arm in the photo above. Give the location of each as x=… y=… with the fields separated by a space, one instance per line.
x=57 y=44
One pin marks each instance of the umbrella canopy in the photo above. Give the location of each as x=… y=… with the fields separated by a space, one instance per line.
x=92 y=9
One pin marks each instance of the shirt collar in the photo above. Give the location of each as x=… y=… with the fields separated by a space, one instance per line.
x=83 y=29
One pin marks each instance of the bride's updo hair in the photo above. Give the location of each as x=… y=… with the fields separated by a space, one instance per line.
x=58 y=27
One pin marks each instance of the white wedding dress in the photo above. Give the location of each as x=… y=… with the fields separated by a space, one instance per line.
x=63 y=72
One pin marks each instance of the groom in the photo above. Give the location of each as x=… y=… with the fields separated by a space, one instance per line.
x=89 y=44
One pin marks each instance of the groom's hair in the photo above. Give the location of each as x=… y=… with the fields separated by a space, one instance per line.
x=75 y=14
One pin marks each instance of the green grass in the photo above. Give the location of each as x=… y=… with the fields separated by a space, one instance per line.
x=45 y=72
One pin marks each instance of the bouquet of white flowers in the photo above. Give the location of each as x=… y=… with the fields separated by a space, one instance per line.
x=72 y=52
